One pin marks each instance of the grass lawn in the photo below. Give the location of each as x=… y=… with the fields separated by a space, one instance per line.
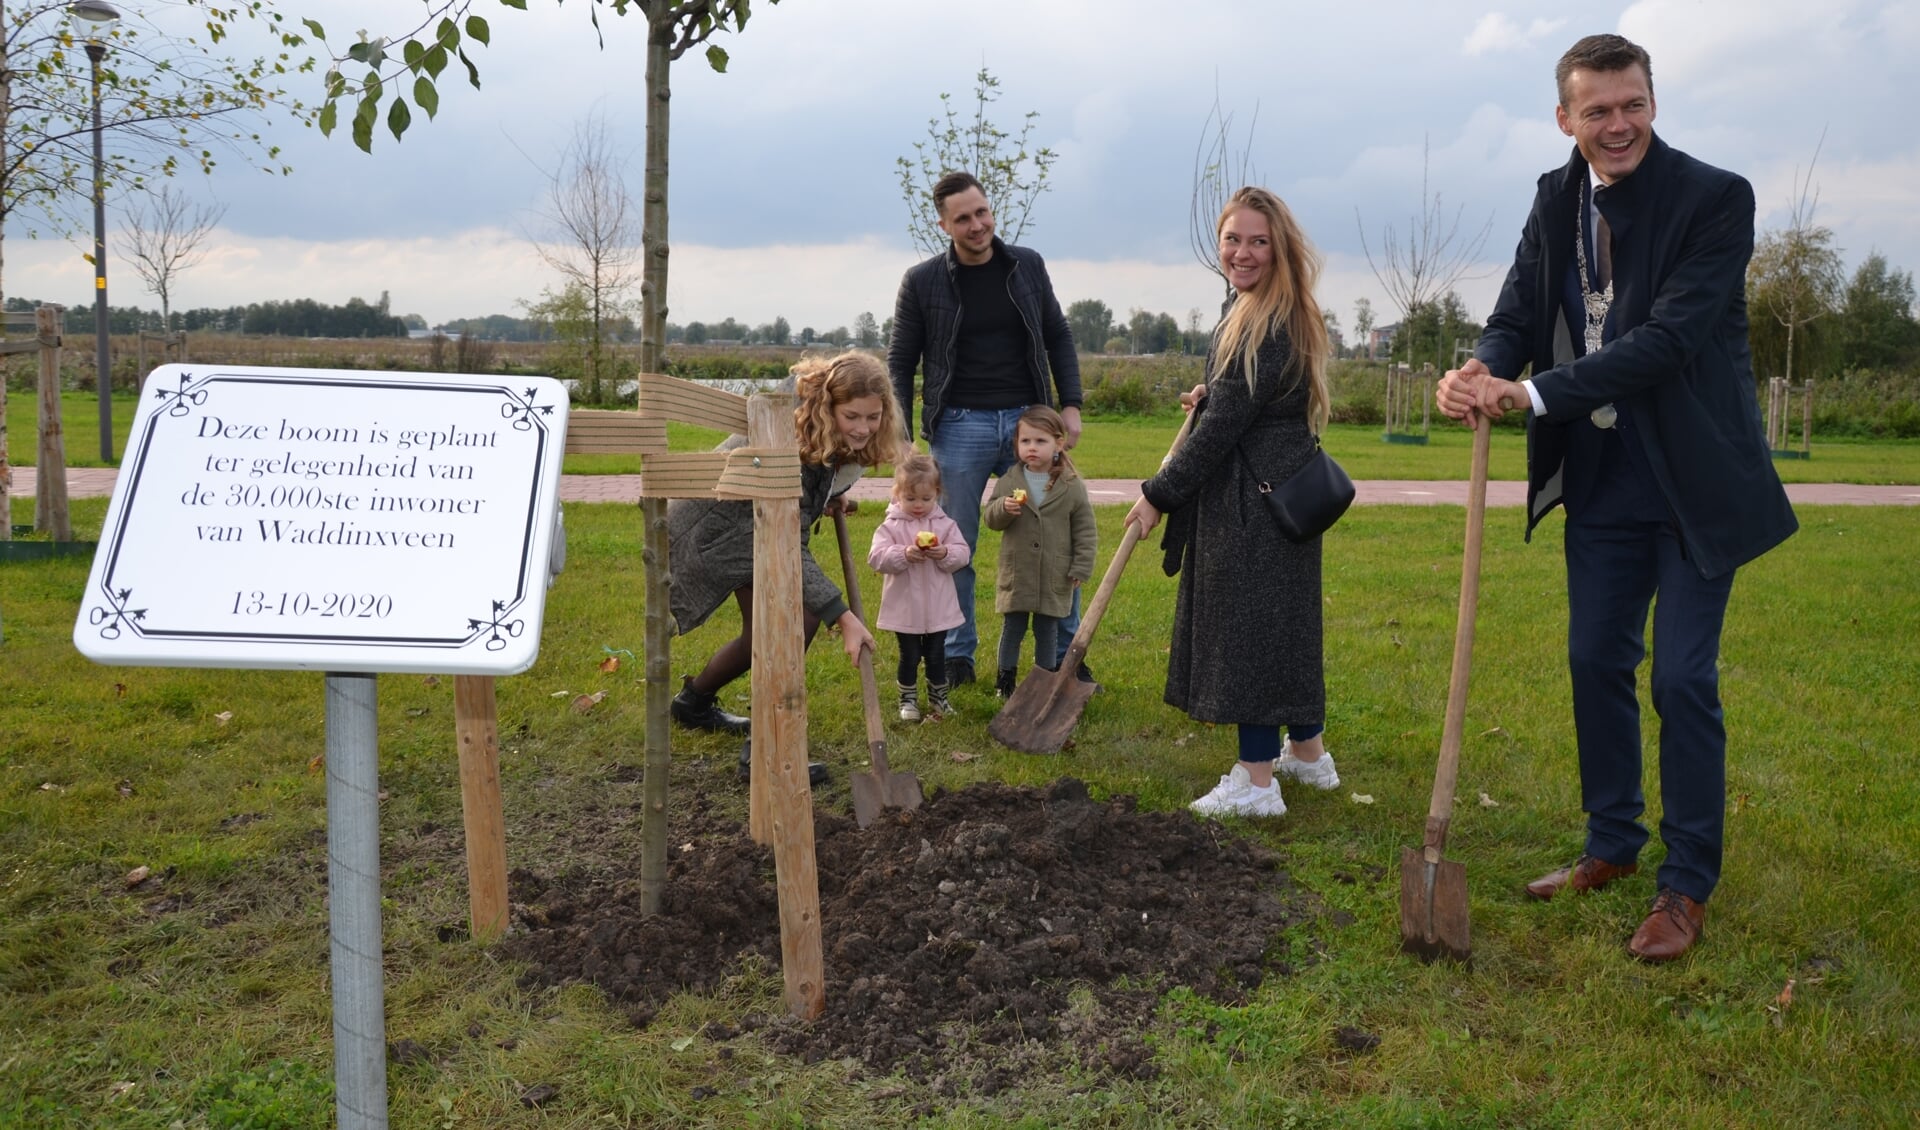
x=214 y=1011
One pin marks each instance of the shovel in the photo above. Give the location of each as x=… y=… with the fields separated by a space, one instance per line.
x=881 y=788
x=1433 y=890
x=1044 y=708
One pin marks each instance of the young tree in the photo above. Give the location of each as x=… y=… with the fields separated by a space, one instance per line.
x=1795 y=274
x=1219 y=169
x=1091 y=322
x=866 y=330
x=1012 y=175
x=1434 y=257
x=1363 y=325
x=673 y=28
x=165 y=100
x=590 y=219
x=162 y=237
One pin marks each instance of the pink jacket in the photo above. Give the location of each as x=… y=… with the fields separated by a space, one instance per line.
x=917 y=597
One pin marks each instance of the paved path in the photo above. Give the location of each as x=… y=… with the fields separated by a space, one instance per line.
x=85 y=482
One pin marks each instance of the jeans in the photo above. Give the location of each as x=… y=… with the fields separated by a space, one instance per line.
x=973 y=445
x=1262 y=743
x=1013 y=629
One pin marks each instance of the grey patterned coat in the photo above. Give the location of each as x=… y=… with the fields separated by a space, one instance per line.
x=711 y=552
x=1247 y=624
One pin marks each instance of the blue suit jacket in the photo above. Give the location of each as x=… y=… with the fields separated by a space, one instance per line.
x=1676 y=358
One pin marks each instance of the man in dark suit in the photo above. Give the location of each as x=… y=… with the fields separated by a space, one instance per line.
x=1626 y=297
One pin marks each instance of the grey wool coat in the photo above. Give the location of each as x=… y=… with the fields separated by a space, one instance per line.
x=1247 y=623
x=711 y=552
x=1045 y=547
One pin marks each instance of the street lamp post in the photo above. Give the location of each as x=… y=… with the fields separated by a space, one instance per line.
x=103 y=15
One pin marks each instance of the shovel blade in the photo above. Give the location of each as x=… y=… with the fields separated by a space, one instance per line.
x=1042 y=711
x=869 y=797
x=904 y=792
x=1433 y=908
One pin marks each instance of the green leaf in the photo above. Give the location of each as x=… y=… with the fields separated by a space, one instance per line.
x=399 y=118
x=413 y=53
x=447 y=35
x=520 y=4
x=328 y=114
x=436 y=60
x=477 y=30
x=426 y=95
x=314 y=27
x=363 y=132
x=473 y=72
x=717 y=58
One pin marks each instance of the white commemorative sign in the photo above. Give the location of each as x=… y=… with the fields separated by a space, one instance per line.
x=330 y=520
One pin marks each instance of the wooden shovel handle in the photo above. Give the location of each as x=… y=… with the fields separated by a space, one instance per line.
x=1440 y=812
x=869 y=687
x=1090 y=616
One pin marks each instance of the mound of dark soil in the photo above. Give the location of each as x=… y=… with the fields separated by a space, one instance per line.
x=983 y=933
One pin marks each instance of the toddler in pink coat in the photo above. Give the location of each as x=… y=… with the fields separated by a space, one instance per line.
x=915 y=551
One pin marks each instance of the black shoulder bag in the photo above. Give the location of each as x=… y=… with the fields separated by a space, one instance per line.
x=1311 y=500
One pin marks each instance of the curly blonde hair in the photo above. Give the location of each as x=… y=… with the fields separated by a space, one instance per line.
x=1283 y=301
x=820 y=386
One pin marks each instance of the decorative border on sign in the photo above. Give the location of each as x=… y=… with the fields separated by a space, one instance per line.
x=522 y=408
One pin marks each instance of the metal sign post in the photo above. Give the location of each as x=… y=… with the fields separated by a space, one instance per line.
x=344 y=522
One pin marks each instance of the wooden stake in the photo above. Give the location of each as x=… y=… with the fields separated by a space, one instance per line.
x=50 y=485
x=781 y=798
x=476 y=725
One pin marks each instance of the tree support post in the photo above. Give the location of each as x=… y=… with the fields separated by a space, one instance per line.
x=50 y=511
x=477 y=731
x=781 y=797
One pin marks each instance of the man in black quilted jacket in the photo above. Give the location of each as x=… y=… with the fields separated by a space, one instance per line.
x=980 y=320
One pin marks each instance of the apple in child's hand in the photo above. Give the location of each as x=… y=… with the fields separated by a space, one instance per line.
x=926 y=539
x=1019 y=496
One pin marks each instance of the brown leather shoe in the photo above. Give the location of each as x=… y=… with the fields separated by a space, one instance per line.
x=1588 y=873
x=1671 y=928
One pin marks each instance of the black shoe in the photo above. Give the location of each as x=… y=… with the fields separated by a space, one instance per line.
x=698 y=711
x=1085 y=675
x=817 y=774
x=1003 y=686
x=958 y=671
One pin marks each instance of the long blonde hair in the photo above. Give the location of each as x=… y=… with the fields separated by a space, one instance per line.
x=1283 y=300
x=820 y=386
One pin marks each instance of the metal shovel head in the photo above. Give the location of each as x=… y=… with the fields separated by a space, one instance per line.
x=1042 y=711
x=879 y=789
x=1433 y=908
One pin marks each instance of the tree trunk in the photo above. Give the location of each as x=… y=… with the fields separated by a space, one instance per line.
x=653 y=511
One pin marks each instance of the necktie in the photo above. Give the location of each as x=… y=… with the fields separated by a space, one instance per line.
x=1602 y=249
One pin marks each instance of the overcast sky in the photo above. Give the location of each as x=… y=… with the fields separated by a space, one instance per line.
x=785 y=200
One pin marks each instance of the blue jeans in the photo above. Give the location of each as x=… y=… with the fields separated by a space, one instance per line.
x=973 y=445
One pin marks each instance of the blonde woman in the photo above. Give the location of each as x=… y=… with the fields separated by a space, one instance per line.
x=1246 y=630
x=846 y=421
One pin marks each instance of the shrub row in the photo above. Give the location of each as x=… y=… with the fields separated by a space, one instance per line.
x=1858 y=403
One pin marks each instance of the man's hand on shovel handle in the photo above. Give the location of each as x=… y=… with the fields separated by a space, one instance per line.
x=1473 y=388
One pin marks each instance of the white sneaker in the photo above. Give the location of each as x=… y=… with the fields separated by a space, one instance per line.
x=1321 y=774
x=1236 y=795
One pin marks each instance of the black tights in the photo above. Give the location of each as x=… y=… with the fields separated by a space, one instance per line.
x=931 y=646
x=736 y=655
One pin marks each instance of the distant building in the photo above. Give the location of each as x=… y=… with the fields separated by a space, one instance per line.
x=1380 y=341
